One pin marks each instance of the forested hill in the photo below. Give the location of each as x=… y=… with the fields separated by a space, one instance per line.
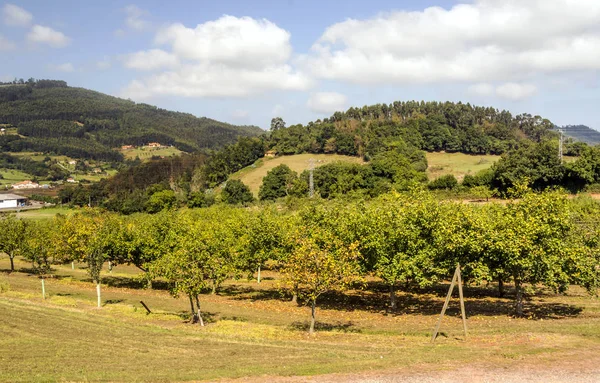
x=582 y=133
x=53 y=117
x=430 y=126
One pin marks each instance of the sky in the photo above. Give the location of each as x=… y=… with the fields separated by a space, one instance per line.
x=245 y=62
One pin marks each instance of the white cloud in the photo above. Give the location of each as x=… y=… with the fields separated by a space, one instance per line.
x=5 y=44
x=207 y=80
x=17 y=16
x=477 y=42
x=481 y=89
x=327 y=102
x=230 y=40
x=135 y=18
x=151 y=60
x=227 y=57
x=47 y=35
x=516 y=92
x=66 y=67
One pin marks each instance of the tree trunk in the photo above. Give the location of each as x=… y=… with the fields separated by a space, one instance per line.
x=500 y=287
x=393 y=304
x=214 y=288
x=258 y=277
x=519 y=290
x=194 y=315
x=295 y=295
x=43 y=289
x=199 y=312
x=12 y=263
x=312 y=318
x=98 y=293
x=110 y=267
x=72 y=265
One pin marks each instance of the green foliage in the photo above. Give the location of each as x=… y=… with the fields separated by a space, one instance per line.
x=277 y=183
x=86 y=124
x=161 y=200
x=447 y=182
x=236 y=193
x=12 y=236
x=200 y=199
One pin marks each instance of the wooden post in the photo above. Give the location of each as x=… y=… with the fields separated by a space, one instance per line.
x=462 y=301
x=455 y=279
x=43 y=289
x=439 y=322
x=146 y=307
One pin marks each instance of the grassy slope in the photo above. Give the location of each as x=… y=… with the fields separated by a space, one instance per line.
x=254 y=331
x=145 y=153
x=11 y=176
x=253 y=174
x=458 y=164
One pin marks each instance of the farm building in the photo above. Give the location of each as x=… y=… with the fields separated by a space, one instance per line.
x=26 y=185
x=154 y=145
x=8 y=201
x=271 y=153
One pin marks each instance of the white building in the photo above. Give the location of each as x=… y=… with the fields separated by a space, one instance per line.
x=11 y=201
x=26 y=185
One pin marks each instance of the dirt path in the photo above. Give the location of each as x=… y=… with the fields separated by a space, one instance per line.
x=575 y=368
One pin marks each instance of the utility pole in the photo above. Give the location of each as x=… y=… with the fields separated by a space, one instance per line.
x=560 y=145
x=311 y=181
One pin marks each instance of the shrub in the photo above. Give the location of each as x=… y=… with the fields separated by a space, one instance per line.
x=444 y=182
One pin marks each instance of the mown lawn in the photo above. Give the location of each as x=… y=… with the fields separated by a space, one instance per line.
x=145 y=153
x=253 y=175
x=255 y=331
x=457 y=164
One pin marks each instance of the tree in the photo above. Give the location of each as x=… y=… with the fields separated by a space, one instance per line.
x=236 y=193
x=399 y=239
x=161 y=200
x=86 y=236
x=38 y=248
x=277 y=183
x=447 y=182
x=202 y=255
x=12 y=234
x=530 y=243
x=277 y=123
x=262 y=240
x=320 y=262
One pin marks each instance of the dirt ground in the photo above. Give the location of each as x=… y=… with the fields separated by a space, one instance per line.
x=580 y=368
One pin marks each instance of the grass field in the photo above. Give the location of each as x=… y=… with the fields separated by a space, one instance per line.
x=45 y=213
x=253 y=174
x=457 y=164
x=145 y=153
x=10 y=176
x=254 y=331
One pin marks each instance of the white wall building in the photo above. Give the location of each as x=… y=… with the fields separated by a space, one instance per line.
x=8 y=201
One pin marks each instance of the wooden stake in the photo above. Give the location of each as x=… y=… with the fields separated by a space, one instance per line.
x=462 y=301
x=146 y=307
x=455 y=279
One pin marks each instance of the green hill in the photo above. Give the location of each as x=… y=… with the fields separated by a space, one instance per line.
x=582 y=133
x=51 y=117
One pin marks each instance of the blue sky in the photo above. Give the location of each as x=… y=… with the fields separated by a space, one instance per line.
x=245 y=62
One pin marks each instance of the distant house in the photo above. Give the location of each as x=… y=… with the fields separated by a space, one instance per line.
x=71 y=180
x=127 y=147
x=97 y=170
x=154 y=145
x=8 y=201
x=271 y=153
x=2 y=131
x=26 y=185
x=72 y=162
